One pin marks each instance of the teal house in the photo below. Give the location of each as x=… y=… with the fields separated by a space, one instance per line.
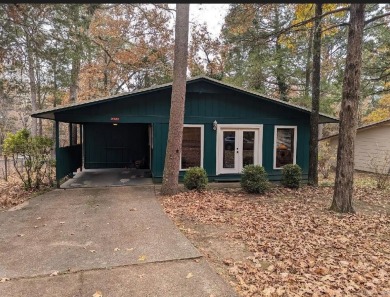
x=225 y=128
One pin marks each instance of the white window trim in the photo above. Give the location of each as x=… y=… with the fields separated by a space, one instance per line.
x=201 y=143
x=295 y=144
x=235 y=127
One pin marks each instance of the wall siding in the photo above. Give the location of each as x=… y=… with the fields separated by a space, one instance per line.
x=370 y=144
x=205 y=103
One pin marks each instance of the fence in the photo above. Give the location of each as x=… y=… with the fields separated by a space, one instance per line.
x=7 y=167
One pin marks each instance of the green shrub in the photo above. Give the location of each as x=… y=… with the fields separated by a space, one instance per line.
x=36 y=155
x=291 y=176
x=195 y=178
x=254 y=179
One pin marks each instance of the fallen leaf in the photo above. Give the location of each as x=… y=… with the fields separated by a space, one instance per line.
x=142 y=258
x=132 y=209
x=269 y=291
x=38 y=218
x=189 y=275
x=271 y=268
x=54 y=273
x=4 y=279
x=98 y=294
x=20 y=235
x=116 y=249
x=92 y=251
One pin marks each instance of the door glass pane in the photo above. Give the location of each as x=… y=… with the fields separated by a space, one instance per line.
x=284 y=146
x=248 y=148
x=229 y=140
x=191 y=147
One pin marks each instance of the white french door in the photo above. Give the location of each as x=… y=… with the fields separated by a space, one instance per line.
x=237 y=146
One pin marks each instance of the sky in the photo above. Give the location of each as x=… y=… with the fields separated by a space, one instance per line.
x=212 y=14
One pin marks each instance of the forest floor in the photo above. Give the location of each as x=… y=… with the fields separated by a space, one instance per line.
x=287 y=242
x=12 y=192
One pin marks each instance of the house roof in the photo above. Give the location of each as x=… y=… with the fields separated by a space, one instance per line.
x=49 y=112
x=364 y=127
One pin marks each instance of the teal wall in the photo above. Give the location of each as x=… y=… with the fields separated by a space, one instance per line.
x=68 y=160
x=205 y=102
x=108 y=146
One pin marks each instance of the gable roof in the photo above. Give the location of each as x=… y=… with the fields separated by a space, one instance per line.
x=49 y=112
x=361 y=128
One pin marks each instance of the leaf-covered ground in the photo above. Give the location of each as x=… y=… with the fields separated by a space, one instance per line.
x=286 y=243
x=12 y=192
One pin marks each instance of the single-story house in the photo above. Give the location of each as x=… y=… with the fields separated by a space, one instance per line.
x=372 y=146
x=225 y=128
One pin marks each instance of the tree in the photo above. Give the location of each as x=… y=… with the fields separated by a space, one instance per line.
x=343 y=190
x=176 y=118
x=205 y=56
x=381 y=112
x=315 y=102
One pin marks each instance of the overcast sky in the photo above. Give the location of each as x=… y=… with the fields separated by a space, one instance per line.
x=212 y=14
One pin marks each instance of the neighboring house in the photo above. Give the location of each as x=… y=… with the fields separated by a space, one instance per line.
x=372 y=146
x=225 y=128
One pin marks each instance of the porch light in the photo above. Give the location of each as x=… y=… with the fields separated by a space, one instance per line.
x=115 y=124
x=215 y=125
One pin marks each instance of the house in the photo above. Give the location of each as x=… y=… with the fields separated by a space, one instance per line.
x=225 y=128
x=372 y=146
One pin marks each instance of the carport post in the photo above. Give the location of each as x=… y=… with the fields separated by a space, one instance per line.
x=81 y=143
x=70 y=175
x=57 y=148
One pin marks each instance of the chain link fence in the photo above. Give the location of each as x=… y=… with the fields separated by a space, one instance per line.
x=7 y=167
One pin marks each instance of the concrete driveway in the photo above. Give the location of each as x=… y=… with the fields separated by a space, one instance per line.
x=115 y=241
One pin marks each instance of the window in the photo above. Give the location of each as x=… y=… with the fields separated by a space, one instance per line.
x=285 y=146
x=192 y=147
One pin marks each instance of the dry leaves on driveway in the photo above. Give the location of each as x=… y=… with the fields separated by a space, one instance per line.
x=297 y=246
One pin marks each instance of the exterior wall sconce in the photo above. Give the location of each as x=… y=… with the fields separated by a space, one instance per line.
x=215 y=125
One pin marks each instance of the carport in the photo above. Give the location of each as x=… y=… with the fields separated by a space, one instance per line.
x=107 y=146
x=119 y=146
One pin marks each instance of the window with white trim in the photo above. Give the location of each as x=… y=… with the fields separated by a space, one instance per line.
x=192 y=147
x=285 y=142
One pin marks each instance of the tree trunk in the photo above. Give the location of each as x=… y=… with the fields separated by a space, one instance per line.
x=343 y=191
x=280 y=72
x=33 y=84
x=106 y=75
x=176 y=119
x=315 y=105
x=309 y=67
x=55 y=92
x=73 y=89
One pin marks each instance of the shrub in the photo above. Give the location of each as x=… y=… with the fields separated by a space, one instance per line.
x=254 y=179
x=291 y=176
x=36 y=155
x=195 y=178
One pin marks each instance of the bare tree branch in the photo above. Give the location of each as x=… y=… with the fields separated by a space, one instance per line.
x=376 y=18
x=312 y=19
